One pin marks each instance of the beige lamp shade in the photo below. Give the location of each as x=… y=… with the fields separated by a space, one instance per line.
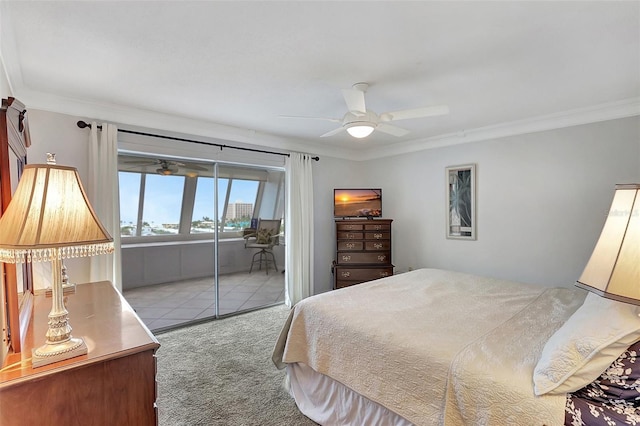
x=50 y=213
x=613 y=270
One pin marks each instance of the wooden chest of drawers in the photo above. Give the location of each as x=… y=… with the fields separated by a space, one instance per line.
x=114 y=384
x=363 y=251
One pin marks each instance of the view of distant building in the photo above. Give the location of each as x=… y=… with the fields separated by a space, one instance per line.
x=238 y=210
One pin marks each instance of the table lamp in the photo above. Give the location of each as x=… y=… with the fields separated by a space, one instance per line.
x=613 y=271
x=50 y=218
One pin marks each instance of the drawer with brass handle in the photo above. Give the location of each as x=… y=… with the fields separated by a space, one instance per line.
x=363 y=251
x=349 y=276
x=370 y=257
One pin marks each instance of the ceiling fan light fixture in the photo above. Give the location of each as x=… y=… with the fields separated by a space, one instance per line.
x=164 y=171
x=360 y=130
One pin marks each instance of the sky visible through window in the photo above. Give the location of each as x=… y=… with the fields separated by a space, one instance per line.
x=163 y=197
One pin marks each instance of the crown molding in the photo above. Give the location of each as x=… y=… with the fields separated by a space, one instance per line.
x=123 y=115
x=608 y=111
x=140 y=118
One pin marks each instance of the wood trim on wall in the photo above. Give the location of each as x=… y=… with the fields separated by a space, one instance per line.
x=14 y=138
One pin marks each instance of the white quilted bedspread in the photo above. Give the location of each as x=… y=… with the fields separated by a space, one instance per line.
x=436 y=347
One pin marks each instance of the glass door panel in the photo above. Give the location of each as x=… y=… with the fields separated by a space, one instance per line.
x=185 y=234
x=250 y=271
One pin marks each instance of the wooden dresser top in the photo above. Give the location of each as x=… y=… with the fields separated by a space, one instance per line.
x=98 y=314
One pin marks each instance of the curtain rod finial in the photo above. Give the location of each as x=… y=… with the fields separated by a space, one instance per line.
x=82 y=124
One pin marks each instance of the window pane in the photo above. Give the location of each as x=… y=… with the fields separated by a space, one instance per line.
x=241 y=203
x=162 y=204
x=129 y=197
x=202 y=219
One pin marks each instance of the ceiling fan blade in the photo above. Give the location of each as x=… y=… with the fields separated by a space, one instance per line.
x=333 y=132
x=193 y=166
x=140 y=162
x=128 y=167
x=415 y=113
x=334 y=120
x=391 y=130
x=355 y=101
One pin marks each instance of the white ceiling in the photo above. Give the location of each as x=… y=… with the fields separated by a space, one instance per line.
x=230 y=69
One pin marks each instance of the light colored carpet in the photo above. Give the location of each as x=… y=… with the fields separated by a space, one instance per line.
x=220 y=373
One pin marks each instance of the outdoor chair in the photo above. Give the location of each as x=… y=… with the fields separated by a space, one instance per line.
x=265 y=237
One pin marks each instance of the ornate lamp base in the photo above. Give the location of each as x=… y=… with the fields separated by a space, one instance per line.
x=66 y=288
x=54 y=352
x=60 y=344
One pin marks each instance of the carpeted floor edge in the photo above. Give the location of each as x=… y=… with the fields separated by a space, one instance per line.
x=220 y=373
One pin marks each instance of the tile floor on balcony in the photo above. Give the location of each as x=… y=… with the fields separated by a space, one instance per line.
x=163 y=306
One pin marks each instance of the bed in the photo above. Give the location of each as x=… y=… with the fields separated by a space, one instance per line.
x=434 y=347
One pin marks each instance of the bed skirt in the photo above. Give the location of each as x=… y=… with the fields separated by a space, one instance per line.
x=328 y=402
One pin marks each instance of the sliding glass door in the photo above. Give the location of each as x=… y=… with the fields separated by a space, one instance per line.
x=250 y=271
x=189 y=238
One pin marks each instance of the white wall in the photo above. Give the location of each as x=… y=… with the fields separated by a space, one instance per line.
x=148 y=264
x=5 y=89
x=330 y=173
x=541 y=201
x=542 y=198
x=58 y=133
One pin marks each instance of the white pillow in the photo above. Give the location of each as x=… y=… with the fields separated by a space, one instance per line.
x=591 y=339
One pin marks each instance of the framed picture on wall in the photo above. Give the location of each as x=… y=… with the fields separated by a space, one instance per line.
x=461 y=202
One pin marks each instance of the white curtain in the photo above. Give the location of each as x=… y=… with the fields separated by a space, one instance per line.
x=299 y=229
x=103 y=193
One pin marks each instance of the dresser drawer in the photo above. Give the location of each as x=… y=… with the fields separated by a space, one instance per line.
x=377 y=235
x=350 y=235
x=350 y=276
x=349 y=226
x=381 y=257
x=351 y=245
x=378 y=245
x=363 y=251
x=377 y=227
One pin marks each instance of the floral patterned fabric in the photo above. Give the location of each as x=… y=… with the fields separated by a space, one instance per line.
x=612 y=399
x=263 y=236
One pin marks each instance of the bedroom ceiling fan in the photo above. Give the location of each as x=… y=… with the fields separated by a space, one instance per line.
x=167 y=167
x=360 y=122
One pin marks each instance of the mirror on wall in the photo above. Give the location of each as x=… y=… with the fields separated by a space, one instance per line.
x=17 y=287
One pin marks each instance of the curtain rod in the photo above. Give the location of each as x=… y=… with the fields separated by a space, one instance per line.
x=83 y=124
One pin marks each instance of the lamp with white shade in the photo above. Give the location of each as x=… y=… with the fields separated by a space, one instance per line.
x=613 y=271
x=50 y=218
